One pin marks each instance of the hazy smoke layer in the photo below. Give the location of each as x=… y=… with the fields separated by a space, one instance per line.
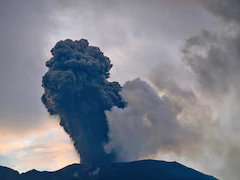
x=200 y=122
x=76 y=89
x=147 y=125
x=214 y=58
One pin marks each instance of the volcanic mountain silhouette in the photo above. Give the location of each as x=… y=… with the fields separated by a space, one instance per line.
x=137 y=170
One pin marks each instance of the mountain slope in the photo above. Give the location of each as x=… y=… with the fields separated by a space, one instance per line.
x=137 y=170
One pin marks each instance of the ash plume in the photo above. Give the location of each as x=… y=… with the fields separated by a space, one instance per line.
x=202 y=122
x=148 y=125
x=77 y=90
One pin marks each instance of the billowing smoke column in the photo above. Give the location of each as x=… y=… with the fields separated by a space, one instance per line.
x=77 y=90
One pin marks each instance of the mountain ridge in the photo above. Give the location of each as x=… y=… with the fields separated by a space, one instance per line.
x=136 y=170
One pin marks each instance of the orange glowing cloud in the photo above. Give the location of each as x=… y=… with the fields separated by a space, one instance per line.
x=51 y=149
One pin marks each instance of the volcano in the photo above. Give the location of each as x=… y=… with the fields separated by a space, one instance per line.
x=137 y=170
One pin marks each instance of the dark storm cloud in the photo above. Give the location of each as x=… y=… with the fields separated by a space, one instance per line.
x=24 y=27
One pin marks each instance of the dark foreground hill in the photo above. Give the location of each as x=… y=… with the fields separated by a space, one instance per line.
x=138 y=170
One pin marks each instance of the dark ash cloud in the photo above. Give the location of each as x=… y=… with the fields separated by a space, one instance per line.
x=76 y=89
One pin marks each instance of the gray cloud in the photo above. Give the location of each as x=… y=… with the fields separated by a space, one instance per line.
x=213 y=59
x=182 y=122
x=147 y=125
x=197 y=114
x=122 y=29
x=228 y=10
x=136 y=35
x=208 y=104
x=23 y=41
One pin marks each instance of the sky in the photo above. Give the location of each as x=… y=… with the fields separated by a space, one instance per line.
x=187 y=50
